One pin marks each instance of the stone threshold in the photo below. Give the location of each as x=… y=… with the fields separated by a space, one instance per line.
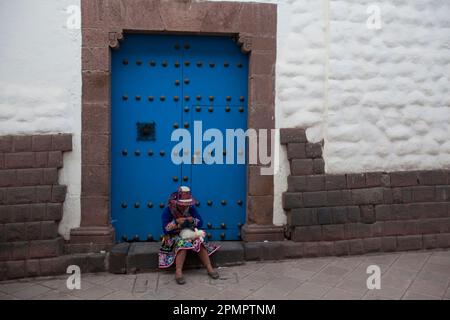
x=143 y=257
x=138 y=257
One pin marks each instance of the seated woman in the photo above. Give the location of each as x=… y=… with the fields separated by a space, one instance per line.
x=181 y=214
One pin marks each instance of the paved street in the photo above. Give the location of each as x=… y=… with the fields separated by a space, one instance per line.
x=412 y=275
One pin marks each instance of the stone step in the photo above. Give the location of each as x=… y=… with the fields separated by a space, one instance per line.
x=23 y=250
x=143 y=256
x=92 y=262
x=287 y=249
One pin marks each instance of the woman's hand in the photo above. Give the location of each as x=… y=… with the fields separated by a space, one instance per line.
x=180 y=221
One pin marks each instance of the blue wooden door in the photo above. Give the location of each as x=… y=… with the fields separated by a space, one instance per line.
x=160 y=84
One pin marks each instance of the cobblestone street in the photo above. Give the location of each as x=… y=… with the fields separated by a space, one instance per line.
x=410 y=275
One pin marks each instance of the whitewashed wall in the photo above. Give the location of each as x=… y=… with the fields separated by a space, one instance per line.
x=40 y=83
x=379 y=98
x=389 y=89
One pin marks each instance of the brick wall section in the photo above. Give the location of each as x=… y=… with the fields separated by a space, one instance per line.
x=360 y=213
x=31 y=203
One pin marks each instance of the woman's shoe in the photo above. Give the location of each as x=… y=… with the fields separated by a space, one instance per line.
x=180 y=280
x=214 y=275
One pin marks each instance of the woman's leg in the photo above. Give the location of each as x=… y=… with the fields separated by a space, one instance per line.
x=179 y=262
x=203 y=255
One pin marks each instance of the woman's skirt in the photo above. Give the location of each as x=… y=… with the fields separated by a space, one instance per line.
x=171 y=245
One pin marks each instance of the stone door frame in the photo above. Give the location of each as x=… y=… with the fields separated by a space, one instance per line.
x=104 y=24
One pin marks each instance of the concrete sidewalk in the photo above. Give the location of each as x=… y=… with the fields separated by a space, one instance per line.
x=409 y=275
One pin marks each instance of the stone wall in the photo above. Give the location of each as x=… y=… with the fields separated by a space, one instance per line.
x=359 y=213
x=31 y=203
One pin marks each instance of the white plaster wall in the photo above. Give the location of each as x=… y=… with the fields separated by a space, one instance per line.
x=40 y=83
x=379 y=98
x=389 y=89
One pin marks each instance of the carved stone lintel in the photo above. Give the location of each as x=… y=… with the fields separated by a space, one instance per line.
x=115 y=38
x=245 y=42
